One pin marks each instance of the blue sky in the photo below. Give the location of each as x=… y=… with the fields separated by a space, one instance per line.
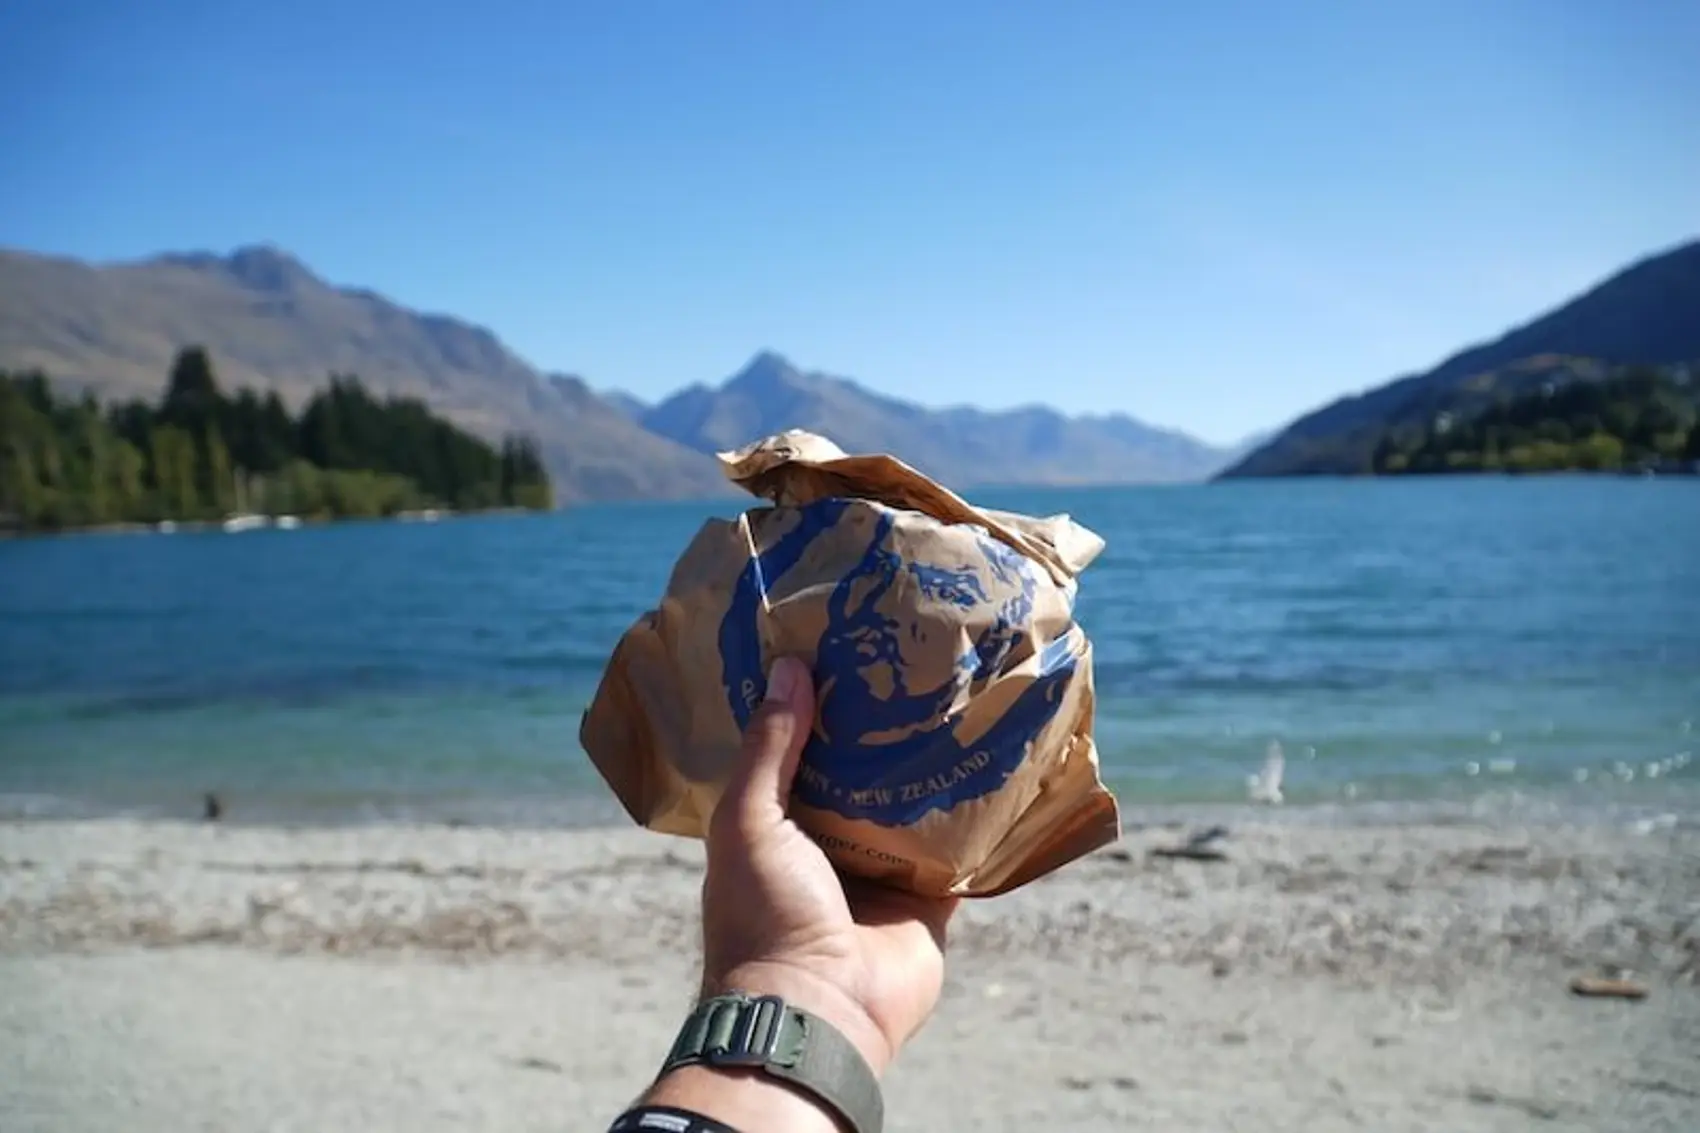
x=1212 y=215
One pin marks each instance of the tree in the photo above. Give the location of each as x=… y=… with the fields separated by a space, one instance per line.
x=216 y=484
x=1383 y=453
x=22 y=497
x=132 y=421
x=93 y=467
x=192 y=401
x=259 y=432
x=129 y=498
x=322 y=439
x=524 y=483
x=276 y=427
x=1621 y=420
x=172 y=456
x=26 y=430
x=1601 y=452
x=66 y=462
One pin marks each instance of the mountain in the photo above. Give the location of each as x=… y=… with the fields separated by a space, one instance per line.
x=271 y=323
x=1638 y=418
x=632 y=406
x=959 y=446
x=1648 y=313
x=1247 y=445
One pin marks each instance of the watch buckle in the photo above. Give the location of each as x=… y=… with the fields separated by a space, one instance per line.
x=755 y=1037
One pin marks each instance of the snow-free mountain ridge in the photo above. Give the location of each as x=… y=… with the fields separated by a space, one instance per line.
x=270 y=322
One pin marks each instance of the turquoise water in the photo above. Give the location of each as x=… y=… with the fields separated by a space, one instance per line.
x=1438 y=643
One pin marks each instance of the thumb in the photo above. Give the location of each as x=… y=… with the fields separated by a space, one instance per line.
x=772 y=748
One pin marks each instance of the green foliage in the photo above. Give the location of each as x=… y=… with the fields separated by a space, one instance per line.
x=171 y=464
x=192 y=400
x=1636 y=418
x=318 y=493
x=200 y=455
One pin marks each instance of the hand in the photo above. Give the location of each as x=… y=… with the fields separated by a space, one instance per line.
x=778 y=919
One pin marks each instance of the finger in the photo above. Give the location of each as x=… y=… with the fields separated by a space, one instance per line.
x=772 y=747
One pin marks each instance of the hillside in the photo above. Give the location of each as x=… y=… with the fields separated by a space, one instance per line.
x=1648 y=314
x=200 y=456
x=1636 y=418
x=960 y=446
x=271 y=324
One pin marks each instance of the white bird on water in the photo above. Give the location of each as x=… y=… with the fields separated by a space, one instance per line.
x=1265 y=786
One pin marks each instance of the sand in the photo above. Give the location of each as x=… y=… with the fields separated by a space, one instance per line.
x=168 y=977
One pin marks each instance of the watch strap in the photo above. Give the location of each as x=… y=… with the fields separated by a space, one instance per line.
x=765 y=1033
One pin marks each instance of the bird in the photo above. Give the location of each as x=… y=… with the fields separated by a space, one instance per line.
x=1265 y=786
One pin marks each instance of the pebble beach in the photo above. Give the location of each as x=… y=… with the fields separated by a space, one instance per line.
x=171 y=976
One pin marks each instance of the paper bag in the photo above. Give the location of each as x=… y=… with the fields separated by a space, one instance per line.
x=952 y=750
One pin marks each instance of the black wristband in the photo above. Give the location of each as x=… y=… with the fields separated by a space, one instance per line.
x=666 y=1119
x=801 y=1050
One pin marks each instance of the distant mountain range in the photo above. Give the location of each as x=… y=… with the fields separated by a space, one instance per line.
x=959 y=445
x=1648 y=313
x=271 y=323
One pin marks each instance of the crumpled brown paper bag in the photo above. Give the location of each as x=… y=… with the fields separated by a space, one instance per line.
x=952 y=751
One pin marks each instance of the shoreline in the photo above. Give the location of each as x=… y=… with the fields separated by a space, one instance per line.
x=1671 y=804
x=178 y=974
x=203 y=881
x=241 y=524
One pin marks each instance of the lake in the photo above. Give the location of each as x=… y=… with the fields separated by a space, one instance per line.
x=1465 y=645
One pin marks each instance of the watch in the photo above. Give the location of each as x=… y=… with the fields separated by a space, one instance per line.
x=765 y=1033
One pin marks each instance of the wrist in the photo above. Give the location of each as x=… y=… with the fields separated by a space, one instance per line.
x=776 y=1047
x=804 y=989
x=743 y=1099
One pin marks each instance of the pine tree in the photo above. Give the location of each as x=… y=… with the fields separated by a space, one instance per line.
x=69 y=462
x=172 y=455
x=216 y=485
x=94 y=466
x=192 y=401
x=277 y=442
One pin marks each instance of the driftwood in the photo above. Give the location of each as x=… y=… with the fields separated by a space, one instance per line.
x=1190 y=853
x=1200 y=847
x=1598 y=987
